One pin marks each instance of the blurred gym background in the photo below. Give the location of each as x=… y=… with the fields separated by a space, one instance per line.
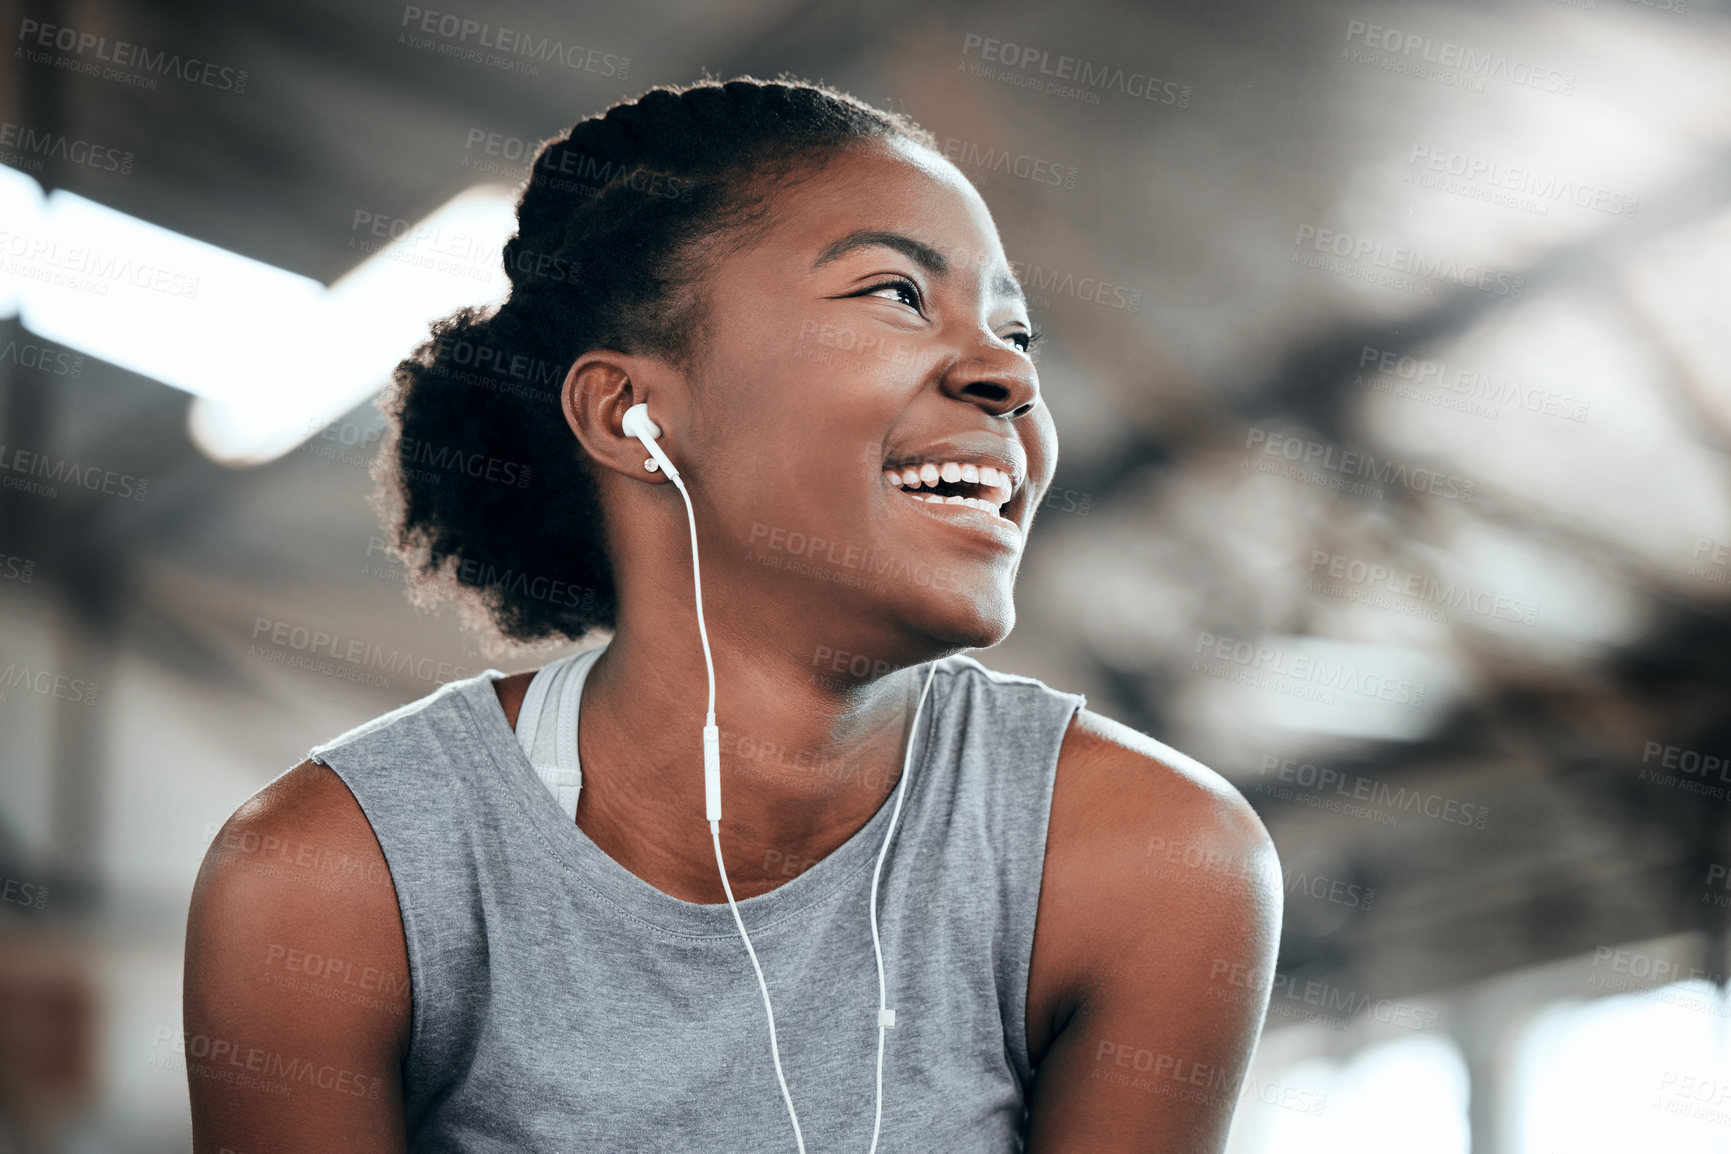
x=1390 y=357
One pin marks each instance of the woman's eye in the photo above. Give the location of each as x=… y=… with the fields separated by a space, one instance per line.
x=1028 y=340
x=906 y=287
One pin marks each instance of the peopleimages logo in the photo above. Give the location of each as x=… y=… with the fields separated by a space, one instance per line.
x=1098 y=76
x=1469 y=62
x=485 y=575
x=1396 y=800
x=1400 y=259
x=42 y=358
x=17 y=891
x=1320 y=1002
x=1357 y=463
x=1473 y=384
x=63 y=472
x=352 y=651
x=471 y=255
x=1544 y=187
x=1003 y=160
x=1307 y=669
x=47 y=683
x=84 y=269
x=872 y=565
x=492 y=152
x=239 y=1063
x=33 y=145
x=1374 y=576
x=37 y=39
x=1039 y=281
x=458 y=31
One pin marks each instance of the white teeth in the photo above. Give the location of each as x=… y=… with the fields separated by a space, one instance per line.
x=981 y=504
x=930 y=474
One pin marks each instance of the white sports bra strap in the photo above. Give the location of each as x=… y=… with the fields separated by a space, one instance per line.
x=529 y=713
x=547 y=726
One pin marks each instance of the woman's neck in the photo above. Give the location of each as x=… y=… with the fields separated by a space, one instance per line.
x=806 y=761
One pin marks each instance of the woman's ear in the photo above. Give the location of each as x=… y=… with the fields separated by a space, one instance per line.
x=601 y=386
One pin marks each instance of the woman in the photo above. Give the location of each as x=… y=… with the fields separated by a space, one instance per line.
x=419 y=939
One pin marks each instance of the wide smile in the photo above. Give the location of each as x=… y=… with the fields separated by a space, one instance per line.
x=968 y=493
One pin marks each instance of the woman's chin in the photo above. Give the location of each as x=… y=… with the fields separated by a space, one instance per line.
x=978 y=622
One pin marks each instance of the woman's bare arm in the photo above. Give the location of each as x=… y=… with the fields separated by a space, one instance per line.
x=1166 y=899
x=296 y=995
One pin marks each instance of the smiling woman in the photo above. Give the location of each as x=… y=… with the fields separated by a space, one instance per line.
x=1078 y=923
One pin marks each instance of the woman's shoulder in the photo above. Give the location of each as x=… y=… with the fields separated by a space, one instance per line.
x=305 y=828
x=294 y=888
x=1117 y=785
x=1157 y=874
x=1156 y=808
x=1147 y=843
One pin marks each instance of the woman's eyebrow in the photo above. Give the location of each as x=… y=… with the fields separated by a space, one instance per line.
x=918 y=251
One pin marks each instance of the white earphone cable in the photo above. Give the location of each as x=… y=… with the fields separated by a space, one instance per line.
x=715 y=821
x=886 y=1016
x=697 y=582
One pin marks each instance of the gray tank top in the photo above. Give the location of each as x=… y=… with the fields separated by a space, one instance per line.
x=561 y=1003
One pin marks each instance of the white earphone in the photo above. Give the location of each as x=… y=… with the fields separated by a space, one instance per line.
x=637 y=424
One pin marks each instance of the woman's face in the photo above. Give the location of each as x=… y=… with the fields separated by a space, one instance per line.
x=872 y=332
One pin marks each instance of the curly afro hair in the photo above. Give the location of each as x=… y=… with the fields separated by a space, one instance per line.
x=617 y=222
